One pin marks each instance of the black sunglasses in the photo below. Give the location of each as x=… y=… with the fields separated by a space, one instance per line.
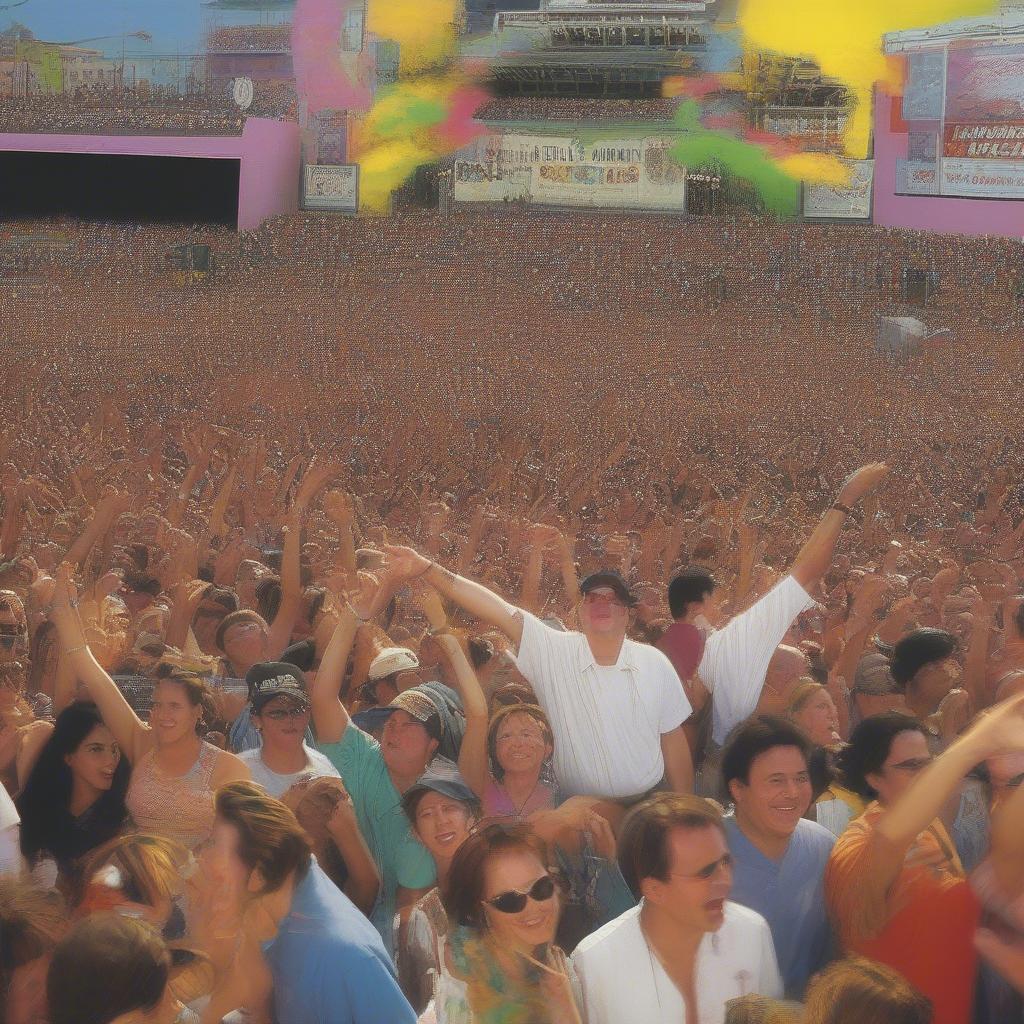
x=514 y=902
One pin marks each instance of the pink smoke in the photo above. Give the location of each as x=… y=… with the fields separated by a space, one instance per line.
x=320 y=77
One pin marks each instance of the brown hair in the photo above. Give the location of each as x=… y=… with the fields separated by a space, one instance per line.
x=463 y=898
x=643 y=840
x=197 y=692
x=531 y=710
x=233 y=619
x=859 y=991
x=150 y=867
x=32 y=921
x=270 y=838
x=107 y=966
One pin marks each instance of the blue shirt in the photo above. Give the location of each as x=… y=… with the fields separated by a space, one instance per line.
x=789 y=894
x=329 y=964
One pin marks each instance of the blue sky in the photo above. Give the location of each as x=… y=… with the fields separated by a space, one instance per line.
x=176 y=25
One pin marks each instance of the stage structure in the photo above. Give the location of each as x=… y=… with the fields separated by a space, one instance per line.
x=267 y=153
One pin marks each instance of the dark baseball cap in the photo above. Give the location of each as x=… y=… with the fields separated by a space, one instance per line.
x=608 y=578
x=442 y=776
x=269 y=679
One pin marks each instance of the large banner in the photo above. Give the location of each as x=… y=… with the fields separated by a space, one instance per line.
x=331 y=188
x=849 y=202
x=563 y=171
x=972 y=144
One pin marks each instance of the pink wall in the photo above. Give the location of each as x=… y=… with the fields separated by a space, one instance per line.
x=931 y=213
x=268 y=151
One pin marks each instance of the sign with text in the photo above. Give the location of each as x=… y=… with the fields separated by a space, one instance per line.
x=331 y=188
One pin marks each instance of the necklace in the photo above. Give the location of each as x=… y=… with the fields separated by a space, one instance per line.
x=529 y=796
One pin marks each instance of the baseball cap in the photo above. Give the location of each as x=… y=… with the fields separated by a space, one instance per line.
x=442 y=776
x=392 y=660
x=416 y=703
x=269 y=679
x=609 y=578
x=874 y=677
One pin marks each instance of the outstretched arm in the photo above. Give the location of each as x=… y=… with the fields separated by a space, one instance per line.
x=480 y=602
x=816 y=555
x=130 y=732
x=473 y=753
x=329 y=714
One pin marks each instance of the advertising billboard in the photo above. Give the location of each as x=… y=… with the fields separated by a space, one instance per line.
x=620 y=173
x=331 y=188
x=972 y=143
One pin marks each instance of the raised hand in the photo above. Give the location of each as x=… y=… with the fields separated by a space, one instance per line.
x=404 y=563
x=863 y=482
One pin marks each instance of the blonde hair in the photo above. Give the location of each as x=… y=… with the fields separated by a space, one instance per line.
x=804 y=690
x=151 y=863
x=860 y=991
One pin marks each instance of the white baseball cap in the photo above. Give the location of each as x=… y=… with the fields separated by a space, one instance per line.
x=392 y=660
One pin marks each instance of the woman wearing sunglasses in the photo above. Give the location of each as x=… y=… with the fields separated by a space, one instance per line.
x=500 y=965
x=894 y=885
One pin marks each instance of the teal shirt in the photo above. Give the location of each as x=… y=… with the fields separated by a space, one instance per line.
x=402 y=860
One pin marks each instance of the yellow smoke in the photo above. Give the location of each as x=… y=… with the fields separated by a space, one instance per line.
x=423 y=29
x=397 y=135
x=845 y=40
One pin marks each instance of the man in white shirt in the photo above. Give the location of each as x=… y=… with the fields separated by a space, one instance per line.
x=615 y=706
x=747 y=658
x=686 y=950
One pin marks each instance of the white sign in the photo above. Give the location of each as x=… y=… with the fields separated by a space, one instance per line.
x=564 y=171
x=242 y=93
x=850 y=202
x=917 y=177
x=334 y=187
x=983 y=178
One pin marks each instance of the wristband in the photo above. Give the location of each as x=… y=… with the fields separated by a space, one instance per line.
x=423 y=572
x=840 y=507
x=75 y=650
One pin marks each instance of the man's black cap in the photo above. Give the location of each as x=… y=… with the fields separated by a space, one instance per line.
x=609 y=578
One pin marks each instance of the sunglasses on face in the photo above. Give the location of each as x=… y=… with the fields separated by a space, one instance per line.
x=595 y=597
x=280 y=714
x=514 y=902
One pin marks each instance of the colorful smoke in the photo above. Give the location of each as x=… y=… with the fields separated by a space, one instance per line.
x=845 y=41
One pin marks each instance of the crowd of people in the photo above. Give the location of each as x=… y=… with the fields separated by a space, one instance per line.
x=203 y=110
x=479 y=619
x=249 y=38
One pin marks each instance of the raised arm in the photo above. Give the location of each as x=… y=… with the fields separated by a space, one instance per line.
x=329 y=714
x=478 y=601
x=816 y=555
x=473 y=753
x=291 y=586
x=131 y=733
x=1000 y=729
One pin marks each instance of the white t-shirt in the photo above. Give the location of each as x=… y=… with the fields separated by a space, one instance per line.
x=736 y=657
x=10 y=835
x=277 y=784
x=607 y=720
x=622 y=979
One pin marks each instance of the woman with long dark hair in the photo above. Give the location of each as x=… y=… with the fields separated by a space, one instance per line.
x=73 y=799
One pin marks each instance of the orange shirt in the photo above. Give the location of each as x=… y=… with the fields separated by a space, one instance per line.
x=926 y=924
